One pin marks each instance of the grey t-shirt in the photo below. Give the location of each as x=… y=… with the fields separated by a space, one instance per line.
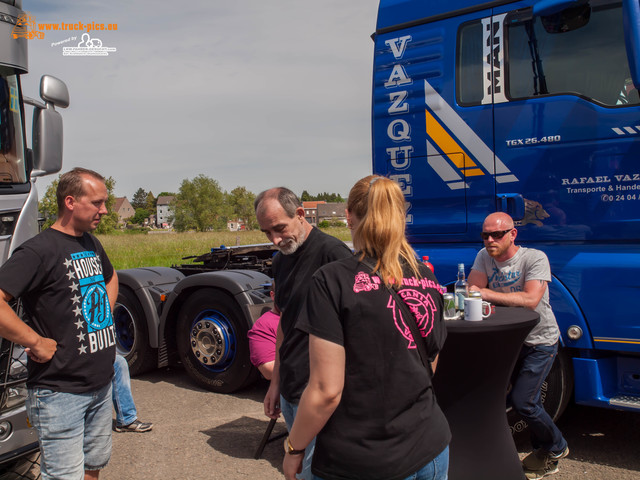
x=510 y=276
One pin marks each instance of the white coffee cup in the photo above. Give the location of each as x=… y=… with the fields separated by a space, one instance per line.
x=475 y=308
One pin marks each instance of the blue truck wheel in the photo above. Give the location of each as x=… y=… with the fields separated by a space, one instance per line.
x=212 y=342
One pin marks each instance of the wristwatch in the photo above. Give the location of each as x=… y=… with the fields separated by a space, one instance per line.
x=288 y=448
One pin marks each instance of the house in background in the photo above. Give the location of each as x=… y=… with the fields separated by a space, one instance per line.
x=164 y=211
x=124 y=210
x=236 y=225
x=332 y=212
x=311 y=212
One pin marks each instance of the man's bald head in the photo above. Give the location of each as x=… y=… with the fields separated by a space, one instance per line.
x=499 y=220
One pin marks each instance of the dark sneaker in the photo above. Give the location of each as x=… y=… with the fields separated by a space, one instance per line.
x=558 y=456
x=135 y=426
x=538 y=459
x=549 y=469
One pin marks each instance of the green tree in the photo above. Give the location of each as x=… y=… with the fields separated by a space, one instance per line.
x=150 y=202
x=324 y=196
x=109 y=222
x=330 y=197
x=48 y=207
x=166 y=194
x=139 y=199
x=240 y=203
x=199 y=205
x=140 y=216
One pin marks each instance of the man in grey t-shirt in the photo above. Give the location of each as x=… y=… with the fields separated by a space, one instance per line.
x=507 y=274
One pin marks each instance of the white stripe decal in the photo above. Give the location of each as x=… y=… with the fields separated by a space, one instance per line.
x=618 y=131
x=431 y=150
x=444 y=170
x=630 y=130
x=506 y=178
x=449 y=118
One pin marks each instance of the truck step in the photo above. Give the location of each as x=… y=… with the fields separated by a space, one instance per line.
x=625 y=401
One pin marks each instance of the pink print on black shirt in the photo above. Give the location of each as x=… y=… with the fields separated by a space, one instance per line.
x=365 y=283
x=423 y=308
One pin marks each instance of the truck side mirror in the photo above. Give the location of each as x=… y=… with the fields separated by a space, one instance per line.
x=54 y=90
x=567 y=20
x=47 y=142
x=47 y=126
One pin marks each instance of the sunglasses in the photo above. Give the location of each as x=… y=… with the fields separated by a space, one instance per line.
x=495 y=235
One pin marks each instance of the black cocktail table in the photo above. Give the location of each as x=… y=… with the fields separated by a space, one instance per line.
x=471 y=381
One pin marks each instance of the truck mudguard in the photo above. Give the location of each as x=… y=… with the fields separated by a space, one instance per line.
x=148 y=284
x=240 y=284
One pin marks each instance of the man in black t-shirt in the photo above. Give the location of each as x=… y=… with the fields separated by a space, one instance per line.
x=68 y=288
x=303 y=249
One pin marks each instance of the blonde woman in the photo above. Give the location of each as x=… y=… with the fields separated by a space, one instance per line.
x=369 y=399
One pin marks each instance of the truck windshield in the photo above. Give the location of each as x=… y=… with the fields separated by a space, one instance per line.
x=590 y=61
x=12 y=158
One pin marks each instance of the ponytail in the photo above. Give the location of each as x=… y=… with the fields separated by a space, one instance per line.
x=379 y=204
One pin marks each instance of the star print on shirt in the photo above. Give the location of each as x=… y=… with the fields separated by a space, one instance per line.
x=71 y=275
x=75 y=299
x=74 y=287
x=80 y=337
x=82 y=349
x=68 y=262
x=78 y=311
x=79 y=324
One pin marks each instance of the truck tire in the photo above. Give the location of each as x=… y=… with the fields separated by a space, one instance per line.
x=132 y=333
x=212 y=342
x=556 y=393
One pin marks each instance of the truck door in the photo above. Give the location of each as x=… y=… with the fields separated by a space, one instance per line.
x=568 y=125
x=568 y=128
x=440 y=152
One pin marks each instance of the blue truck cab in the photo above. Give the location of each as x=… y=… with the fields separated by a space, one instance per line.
x=531 y=108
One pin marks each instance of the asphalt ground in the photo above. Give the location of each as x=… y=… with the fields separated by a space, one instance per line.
x=202 y=435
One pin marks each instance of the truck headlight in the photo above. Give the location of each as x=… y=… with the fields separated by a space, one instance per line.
x=15 y=393
x=5 y=430
x=16 y=396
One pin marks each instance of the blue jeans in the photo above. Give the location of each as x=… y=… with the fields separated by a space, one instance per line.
x=436 y=469
x=533 y=366
x=122 y=399
x=289 y=411
x=74 y=431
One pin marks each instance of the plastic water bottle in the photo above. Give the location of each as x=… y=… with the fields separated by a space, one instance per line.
x=461 y=289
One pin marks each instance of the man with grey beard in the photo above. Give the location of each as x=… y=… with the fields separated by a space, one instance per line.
x=303 y=249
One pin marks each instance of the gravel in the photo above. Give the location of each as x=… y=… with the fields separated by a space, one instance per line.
x=199 y=434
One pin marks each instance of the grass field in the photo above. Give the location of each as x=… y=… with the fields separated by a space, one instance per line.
x=166 y=249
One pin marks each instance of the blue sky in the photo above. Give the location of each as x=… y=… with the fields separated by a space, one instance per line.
x=250 y=92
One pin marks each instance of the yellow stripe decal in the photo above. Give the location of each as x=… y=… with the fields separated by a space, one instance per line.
x=448 y=145
x=617 y=340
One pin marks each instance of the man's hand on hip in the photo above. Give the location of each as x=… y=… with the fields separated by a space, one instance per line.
x=43 y=350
